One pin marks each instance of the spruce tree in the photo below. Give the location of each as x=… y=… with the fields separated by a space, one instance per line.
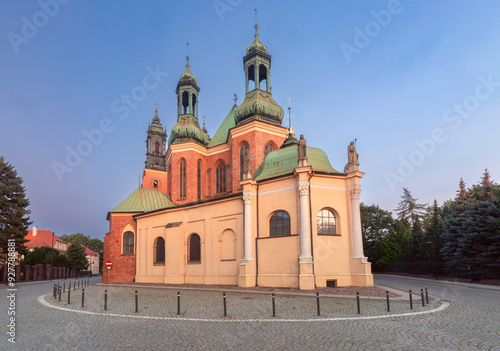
x=14 y=213
x=409 y=210
x=434 y=233
x=76 y=256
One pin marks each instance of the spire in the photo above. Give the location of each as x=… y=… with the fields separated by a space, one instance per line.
x=290 y=129
x=155 y=144
x=187 y=73
x=256 y=44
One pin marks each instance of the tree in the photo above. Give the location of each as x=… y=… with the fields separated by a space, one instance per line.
x=394 y=246
x=93 y=244
x=42 y=255
x=409 y=210
x=434 y=232
x=375 y=224
x=77 y=257
x=472 y=232
x=14 y=213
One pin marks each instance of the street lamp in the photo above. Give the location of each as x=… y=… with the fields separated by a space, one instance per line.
x=434 y=257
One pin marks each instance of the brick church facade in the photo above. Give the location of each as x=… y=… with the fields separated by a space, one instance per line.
x=251 y=206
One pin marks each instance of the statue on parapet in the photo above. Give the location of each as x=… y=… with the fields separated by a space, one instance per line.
x=352 y=158
x=302 y=146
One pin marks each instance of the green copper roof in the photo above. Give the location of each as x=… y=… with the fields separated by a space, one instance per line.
x=283 y=162
x=220 y=136
x=143 y=200
x=259 y=105
x=186 y=129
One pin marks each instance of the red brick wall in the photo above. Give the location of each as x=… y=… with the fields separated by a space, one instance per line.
x=149 y=176
x=123 y=269
x=256 y=140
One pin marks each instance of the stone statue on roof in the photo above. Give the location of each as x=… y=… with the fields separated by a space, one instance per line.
x=302 y=147
x=352 y=159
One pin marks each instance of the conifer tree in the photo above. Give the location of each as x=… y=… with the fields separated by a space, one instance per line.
x=408 y=209
x=76 y=256
x=14 y=213
x=434 y=233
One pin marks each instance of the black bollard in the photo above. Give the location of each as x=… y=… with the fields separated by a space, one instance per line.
x=78 y=284
x=74 y=285
x=274 y=306
x=357 y=302
x=422 y=296
x=59 y=293
x=411 y=301
x=178 y=303
x=64 y=286
x=105 y=300
x=55 y=291
x=69 y=296
x=426 y=296
x=317 y=304
x=225 y=307
x=136 y=303
x=388 y=303
x=83 y=298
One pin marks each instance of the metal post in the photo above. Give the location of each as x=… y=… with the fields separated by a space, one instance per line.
x=426 y=296
x=422 y=296
x=411 y=301
x=178 y=303
x=105 y=300
x=388 y=303
x=74 y=285
x=69 y=297
x=136 y=303
x=357 y=301
x=64 y=286
x=78 y=284
x=274 y=306
x=317 y=304
x=54 y=291
x=225 y=307
x=59 y=293
x=83 y=298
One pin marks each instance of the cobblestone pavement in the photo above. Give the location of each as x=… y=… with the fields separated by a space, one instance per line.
x=471 y=322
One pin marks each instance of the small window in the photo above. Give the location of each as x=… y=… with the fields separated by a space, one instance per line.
x=194 y=249
x=243 y=150
x=157 y=148
x=159 y=251
x=182 y=179
x=199 y=180
x=128 y=243
x=268 y=149
x=279 y=225
x=326 y=222
x=221 y=178
x=155 y=183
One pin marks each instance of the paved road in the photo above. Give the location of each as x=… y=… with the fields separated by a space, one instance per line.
x=471 y=322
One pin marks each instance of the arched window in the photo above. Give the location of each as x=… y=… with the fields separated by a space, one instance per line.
x=263 y=77
x=268 y=149
x=199 y=180
x=221 y=178
x=326 y=222
x=159 y=251
x=182 y=179
x=279 y=225
x=128 y=243
x=194 y=248
x=157 y=147
x=185 y=102
x=243 y=149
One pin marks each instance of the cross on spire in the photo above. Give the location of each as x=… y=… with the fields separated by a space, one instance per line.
x=235 y=98
x=289 y=101
x=187 y=54
x=156 y=104
x=204 y=120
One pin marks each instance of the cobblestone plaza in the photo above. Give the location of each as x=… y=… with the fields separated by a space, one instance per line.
x=458 y=317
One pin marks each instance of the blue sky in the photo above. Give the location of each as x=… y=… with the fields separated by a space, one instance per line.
x=416 y=82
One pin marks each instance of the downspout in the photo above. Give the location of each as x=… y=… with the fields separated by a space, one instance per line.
x=310 y=226
x=257 y=240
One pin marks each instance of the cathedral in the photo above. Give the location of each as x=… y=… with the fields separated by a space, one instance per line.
x=251 y=206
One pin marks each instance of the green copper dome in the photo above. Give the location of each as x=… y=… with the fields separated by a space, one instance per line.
x=259 y=105
x=187 y=129
x=284 y=161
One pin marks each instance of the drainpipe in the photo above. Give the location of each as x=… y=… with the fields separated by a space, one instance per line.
x=257 y=240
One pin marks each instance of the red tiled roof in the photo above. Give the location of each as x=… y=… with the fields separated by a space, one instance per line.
x=87 y=251
x=43 y=238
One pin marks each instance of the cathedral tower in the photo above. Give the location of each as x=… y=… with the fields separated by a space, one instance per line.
x=155 y=145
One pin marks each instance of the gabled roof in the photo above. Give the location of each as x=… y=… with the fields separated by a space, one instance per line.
x=143 y=200
x=43 y=238
x=88 y=252
x=222 y=133
x=284 y=161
